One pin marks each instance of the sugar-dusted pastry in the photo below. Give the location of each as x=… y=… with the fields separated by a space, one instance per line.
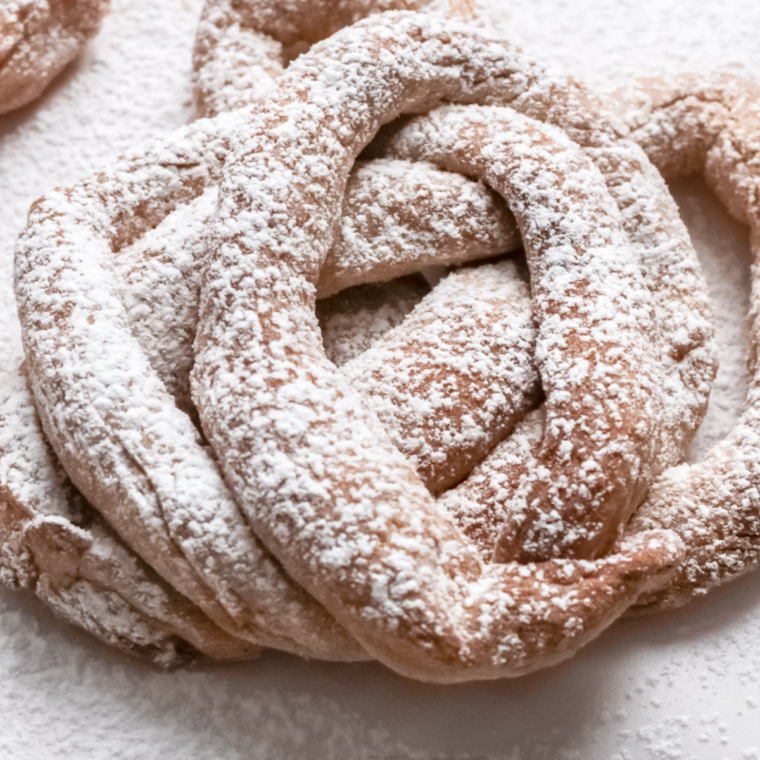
x=38 y=38
x=708 y=126
x=312 y=469
x=242 y=46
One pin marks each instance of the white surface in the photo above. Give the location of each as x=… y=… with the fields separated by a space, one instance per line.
x=680 y=685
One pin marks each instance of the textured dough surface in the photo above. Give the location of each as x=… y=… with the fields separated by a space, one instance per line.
x=708 y=126
x=314 y=472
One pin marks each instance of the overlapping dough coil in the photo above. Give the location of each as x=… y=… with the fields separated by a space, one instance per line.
x=128 y=457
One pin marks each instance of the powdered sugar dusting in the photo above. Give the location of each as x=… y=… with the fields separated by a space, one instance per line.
x=684 y=685
x=314 y=472
x=241 y=48
x=451 y=381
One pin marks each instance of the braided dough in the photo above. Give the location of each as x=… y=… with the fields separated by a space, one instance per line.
x=157 y=286
x=167 y=508
x=182 y=173
x=314 y=472
x=687 y=125
x=515 y=495
x=254 y=38
x=38 y=38
x=610 y=566
x=139 y=269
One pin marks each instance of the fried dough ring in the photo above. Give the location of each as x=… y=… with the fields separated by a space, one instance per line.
x=187 y=162
x=393 y=222
x=498 y=234
x=314 y=473
x=711 y=127
x=38 y=38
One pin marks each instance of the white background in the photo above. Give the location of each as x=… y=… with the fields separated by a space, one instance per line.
x=679 y=685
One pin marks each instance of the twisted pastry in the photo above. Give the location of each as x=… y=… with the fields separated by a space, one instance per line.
x=38 y=38
x=183 y=174
x=244 y=33
x=392 y=223
x=484 y=227
x=43 y=519
x=533 y=513
x=313 y=472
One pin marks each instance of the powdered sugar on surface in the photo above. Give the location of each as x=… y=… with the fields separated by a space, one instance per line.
x=680 y=685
